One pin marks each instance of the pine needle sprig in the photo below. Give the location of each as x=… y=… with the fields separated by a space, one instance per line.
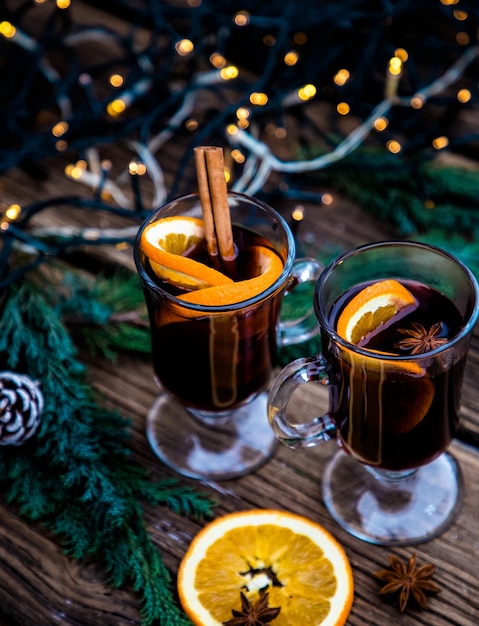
x=77 y=476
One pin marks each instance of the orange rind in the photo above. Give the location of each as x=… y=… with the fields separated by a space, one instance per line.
x=166 y=242
x=268 y=267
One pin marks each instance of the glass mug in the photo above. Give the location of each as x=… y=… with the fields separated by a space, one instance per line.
x=214 y=363
x=393 y=416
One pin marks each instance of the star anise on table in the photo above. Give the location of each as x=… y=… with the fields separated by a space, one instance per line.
x=257 y=614
x=408 y=580
x=419 y=339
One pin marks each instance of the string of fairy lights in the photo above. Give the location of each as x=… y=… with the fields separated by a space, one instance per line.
x=246 y=75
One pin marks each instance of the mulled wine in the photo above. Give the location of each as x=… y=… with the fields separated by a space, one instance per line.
x=214 y=361
x=398 y=414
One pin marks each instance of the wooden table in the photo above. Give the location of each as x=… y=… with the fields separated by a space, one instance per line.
x=39 y=586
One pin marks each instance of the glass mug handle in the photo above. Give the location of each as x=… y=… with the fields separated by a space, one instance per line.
x=304 y=270
x=300 y=435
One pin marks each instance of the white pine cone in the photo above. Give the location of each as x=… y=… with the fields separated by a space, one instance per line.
x=21 y=405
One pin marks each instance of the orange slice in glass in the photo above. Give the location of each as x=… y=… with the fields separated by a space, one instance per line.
x=299 y=564
x=166 y=243
x=372 y=307
x=267 y=268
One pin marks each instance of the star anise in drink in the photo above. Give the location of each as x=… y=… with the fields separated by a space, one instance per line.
x=257 y=614
x=419 y=340
x=408 y=581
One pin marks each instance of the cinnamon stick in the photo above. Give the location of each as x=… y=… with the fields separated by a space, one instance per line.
x=205 y=199
x=214 y=201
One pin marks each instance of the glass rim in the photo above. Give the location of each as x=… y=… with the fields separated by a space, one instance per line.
x=465 y=330
x=224 y=308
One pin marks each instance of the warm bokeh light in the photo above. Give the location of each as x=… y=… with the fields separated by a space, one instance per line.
x=464 y=95
x=417 y=102
x=393 y=146
x=116 y=107
x=242 y=18
x=184 y=47
x=229 y=72
x=307 y=92
x=440 y=142
x=341 y=77
x=60 y=129
x=7 y=29
x=291 y=58
x=380 y=124
x=343 y=108
x=217 y=60
x=116 y=80
x=401 y=54
x=258 y=98
x=395 y=66
x=13 y=211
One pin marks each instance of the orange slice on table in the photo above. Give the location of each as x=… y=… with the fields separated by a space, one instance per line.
x=267 y=267
x=299 y=564
x=167 y=241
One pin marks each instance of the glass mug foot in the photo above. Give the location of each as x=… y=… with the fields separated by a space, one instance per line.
x=389 y=513
x=219 y=448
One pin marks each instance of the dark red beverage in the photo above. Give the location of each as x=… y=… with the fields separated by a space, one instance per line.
x=400 y=414
x=219 y=360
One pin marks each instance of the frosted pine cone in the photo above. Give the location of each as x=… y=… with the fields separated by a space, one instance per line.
x=21 y=405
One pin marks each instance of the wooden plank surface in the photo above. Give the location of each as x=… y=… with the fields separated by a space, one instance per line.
x=39 y=586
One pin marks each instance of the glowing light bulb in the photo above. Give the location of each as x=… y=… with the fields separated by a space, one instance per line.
x=229 y=73
x=307 y=92
x=440 y=142
x=258 y=98
x=464 y=95
x=291 y=58
x=393 y=146
x=341 y=77
x=238 y=156
x=63 y=4
x=116 y=80
x=242 y=113
x=184 y=47
x=217 y=60
x=7 y=29
x=242 y=18
x=343 y=108
x=381 y=124
x=60 y=129
x=116 y=107
x=13 y=211
x=298 y=213
x=395 y=66
x=417 y=102
x=401 y=54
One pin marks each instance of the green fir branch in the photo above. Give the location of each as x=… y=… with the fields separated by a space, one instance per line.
x=408 y=193
x=76 y=476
